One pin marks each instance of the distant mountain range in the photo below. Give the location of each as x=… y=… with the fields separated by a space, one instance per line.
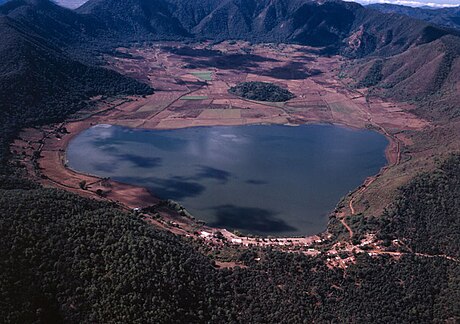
x=448 y=17
x=343 y=27
x=340 y=26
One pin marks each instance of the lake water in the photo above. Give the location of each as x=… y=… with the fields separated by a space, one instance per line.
x=262 y=179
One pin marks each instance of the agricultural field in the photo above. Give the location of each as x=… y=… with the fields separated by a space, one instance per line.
x=203 y=75
x=194 y=97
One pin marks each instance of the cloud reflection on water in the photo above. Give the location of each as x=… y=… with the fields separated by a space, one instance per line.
x=249 y=219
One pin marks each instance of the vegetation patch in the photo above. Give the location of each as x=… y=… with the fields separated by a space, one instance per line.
x=426 y=214
x=67 y=259
x=194 y=98
x=374 y=76
x=203 y=75
x=261 y=91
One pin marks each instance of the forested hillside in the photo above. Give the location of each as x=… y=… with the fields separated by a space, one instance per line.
x=427 y=213
x=426 y=74
x=40 y=84
x=72 y=260
x=262 y=20
x=61 y=26
x=261 y=91
x=336 y=25
x=136 y=19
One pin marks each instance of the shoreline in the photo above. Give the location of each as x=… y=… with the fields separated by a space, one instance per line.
x=144 y=198
x=320 y=99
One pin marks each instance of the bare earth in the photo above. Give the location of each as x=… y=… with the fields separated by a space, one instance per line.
x=183 y=98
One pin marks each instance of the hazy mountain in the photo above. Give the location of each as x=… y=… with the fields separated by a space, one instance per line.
x=59 y=25
x=448 y=17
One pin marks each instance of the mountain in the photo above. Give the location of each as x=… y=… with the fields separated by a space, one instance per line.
x=356 y=30
x=60 y=26
x=339 y=26
x=447 y=17
x=40 y=83
x=427 y=74
x=301 y=21
x=136 y=19
x=305 y=22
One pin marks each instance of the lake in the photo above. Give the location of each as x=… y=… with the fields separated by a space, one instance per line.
x=262 y=179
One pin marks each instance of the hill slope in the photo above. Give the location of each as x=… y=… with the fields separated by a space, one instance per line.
x=335 y=24
x=61 y=26
x=66 y=259
x=39 y=83
x=136 y=19
x=428 y=74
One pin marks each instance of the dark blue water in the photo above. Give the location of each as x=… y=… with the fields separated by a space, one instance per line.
x=269 y=180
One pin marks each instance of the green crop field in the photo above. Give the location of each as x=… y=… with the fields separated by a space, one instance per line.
x=203 y=75
x=194 y=98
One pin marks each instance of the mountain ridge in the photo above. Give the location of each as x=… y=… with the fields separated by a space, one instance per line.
x=447 y=17
x=326 y=23
x=343 y=27
x=41 y=83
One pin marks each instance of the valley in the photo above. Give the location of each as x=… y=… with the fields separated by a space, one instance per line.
x=191 y=89
x=81 y=248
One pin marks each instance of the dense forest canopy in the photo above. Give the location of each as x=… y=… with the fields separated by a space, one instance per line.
x=41 y=84
x=73 y=260
x=261 y=91
x=427 y=213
